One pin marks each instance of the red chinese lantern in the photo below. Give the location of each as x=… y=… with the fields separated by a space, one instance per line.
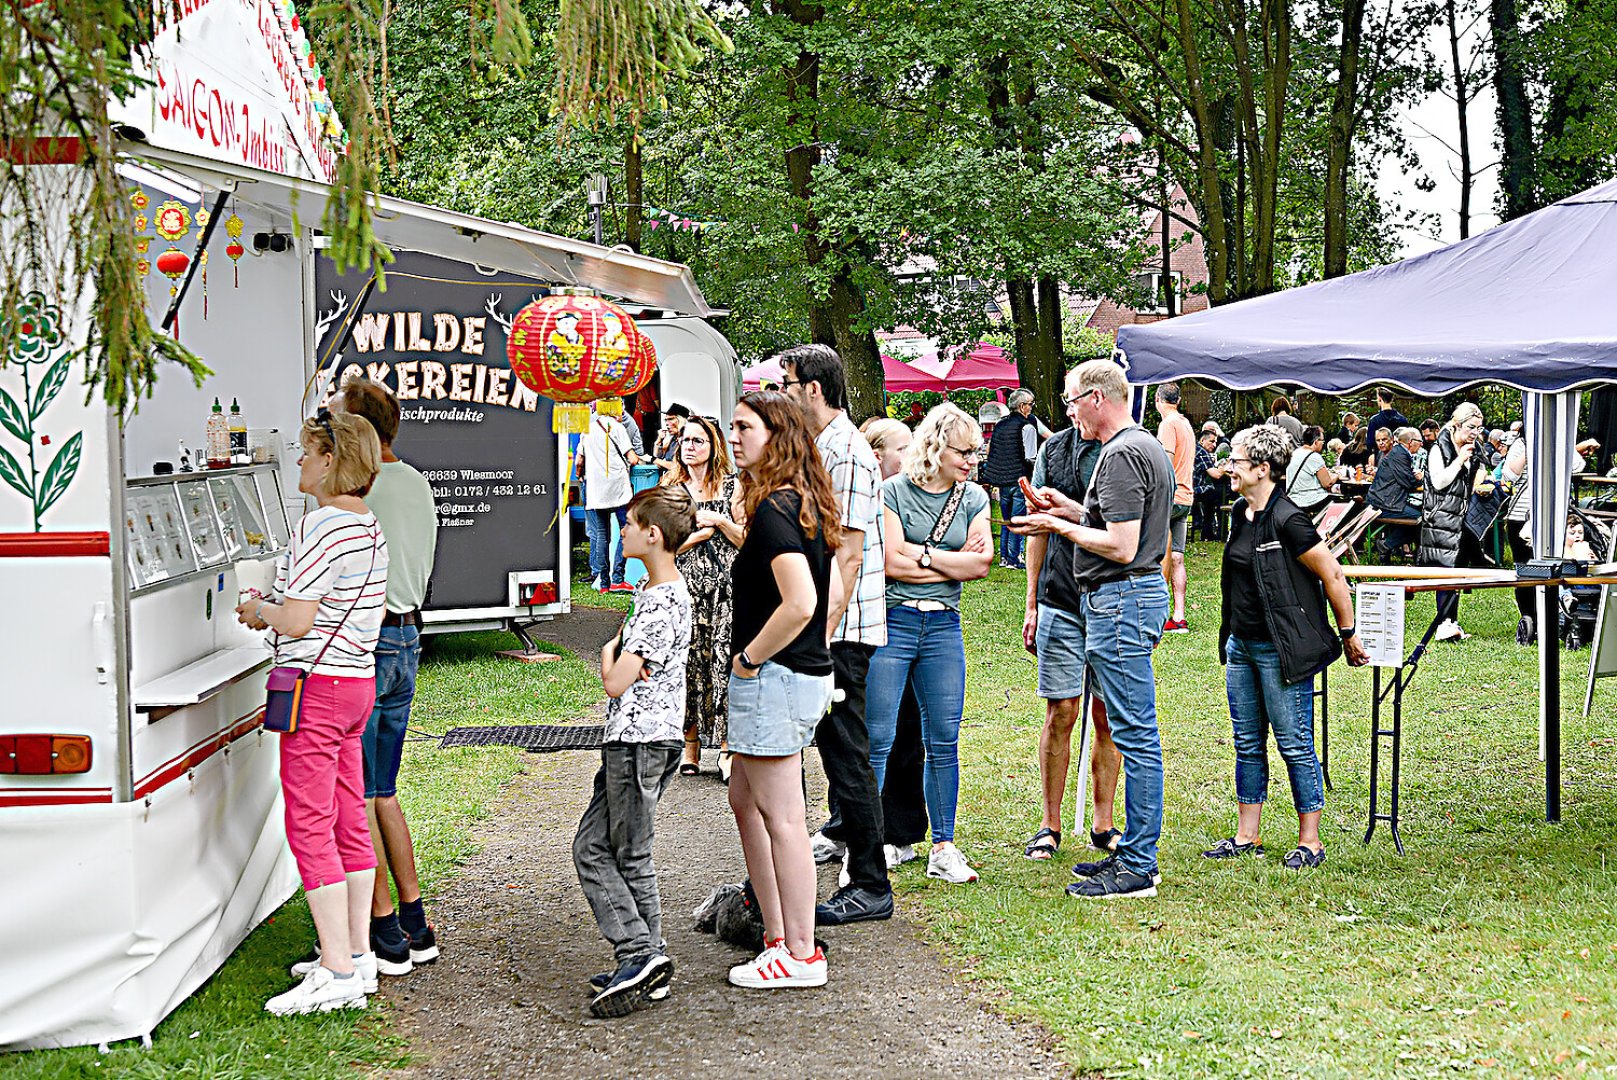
x=172 y=264
x=574 y=349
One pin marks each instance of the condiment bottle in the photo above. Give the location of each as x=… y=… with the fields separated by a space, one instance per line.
x=238 y=436
x=218 y=438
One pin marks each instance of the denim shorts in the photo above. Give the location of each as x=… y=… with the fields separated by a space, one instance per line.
x=398 y=653
x=1060 y=641
x=775 y=713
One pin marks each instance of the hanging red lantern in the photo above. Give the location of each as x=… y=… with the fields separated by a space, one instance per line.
x=172 y=264
x=642 y=364
x=575 y=349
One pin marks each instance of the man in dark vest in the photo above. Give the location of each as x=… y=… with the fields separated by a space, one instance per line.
x=1010 y=458
x=1050 y=630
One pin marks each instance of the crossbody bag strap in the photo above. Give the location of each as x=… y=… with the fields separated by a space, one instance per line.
x=360 y=596
x=946 y=516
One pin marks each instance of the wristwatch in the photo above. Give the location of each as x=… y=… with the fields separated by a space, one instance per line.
x=746 y=661
x=926 y=557
x=1346 y=632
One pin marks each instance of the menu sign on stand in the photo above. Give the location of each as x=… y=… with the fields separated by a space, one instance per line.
x=1380 y=623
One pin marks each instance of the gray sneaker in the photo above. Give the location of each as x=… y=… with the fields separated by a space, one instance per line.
x=826 y=849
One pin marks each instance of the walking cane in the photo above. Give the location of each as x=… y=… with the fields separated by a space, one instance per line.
x=1081 y=810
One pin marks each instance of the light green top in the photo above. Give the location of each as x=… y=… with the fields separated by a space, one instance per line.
x=918 y=511
x=402 y=501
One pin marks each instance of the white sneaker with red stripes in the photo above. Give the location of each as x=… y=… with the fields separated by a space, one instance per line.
x=777 y=969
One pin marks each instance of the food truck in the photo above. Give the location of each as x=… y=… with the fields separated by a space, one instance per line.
x=140 y=811
x=436 y=339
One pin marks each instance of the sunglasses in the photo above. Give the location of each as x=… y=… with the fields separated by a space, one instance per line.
x=323 y=418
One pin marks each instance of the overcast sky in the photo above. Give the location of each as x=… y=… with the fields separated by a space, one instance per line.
x=1429 y=125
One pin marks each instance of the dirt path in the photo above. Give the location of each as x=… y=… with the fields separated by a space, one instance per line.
x=508 y=999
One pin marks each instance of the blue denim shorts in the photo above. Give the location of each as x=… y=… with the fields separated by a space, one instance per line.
x=775 y=714
x=1060 y=641
x=398 y=653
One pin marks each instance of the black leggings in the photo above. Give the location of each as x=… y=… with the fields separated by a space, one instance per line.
x=1471 y=554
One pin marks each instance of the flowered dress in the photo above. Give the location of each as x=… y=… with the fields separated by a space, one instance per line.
x=706 y=569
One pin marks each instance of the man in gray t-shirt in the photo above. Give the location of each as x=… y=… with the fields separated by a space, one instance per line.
x=1132 y=483
x=1121 y=535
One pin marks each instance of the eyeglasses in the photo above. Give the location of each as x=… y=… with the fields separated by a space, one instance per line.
x=1076 y=398
x=1238 y=461
x=695 y=440
x=784 y=383
x=970 y=455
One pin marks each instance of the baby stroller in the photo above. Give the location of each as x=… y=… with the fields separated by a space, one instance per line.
x=1580 y=604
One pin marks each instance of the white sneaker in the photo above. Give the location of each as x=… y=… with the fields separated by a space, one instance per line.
x=826 y=849
x=1450 y=631
x=898 y=855
x=320 y=991
x=364 y=963
x=949 y=865
x=844 y=879
x=777 y=969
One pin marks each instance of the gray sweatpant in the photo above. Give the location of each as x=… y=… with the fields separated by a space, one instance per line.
x=612 y=850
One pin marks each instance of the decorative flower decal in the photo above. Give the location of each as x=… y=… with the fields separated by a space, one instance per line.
x=141 y=221
x=139 y=200
x=173 y=220
x=33 y=330
x=202 y=221
x=234 y=225
x=143 y=267
x=143 y=244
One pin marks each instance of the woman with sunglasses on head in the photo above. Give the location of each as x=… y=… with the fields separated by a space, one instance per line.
x=780 y=677
x=326 y=615
x=1274 y=637
x=1454 y=471
x=702 y=467
x=936 y=523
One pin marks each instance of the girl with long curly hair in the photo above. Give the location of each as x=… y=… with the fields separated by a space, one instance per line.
x=780 y=676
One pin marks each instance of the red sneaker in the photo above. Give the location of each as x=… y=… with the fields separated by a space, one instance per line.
x=622 y=586
x=1176 y=626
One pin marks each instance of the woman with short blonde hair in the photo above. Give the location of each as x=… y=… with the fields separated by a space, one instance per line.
x=326 y=615
x=1453 y=473
x=936 y=523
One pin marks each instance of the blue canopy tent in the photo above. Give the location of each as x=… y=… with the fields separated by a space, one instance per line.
x=1531 y=304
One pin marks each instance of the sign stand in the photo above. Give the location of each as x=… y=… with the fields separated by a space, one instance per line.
x=1603 y=656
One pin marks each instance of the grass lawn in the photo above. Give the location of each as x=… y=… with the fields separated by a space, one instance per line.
x=1489 y=947
x=222 y=1032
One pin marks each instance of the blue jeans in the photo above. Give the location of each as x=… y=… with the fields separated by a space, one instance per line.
x=1122 y=623
x=1261 y=701
x=598 y=527
x=1012 y=503
x=398 y=654
x=925 y=651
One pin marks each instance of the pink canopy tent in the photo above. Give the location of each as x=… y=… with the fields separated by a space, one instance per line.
x=985 y=367
x=896 y=375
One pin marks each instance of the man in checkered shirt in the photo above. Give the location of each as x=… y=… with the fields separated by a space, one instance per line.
x=814 y=378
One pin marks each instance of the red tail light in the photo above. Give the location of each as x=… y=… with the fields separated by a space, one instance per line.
x=43 y=755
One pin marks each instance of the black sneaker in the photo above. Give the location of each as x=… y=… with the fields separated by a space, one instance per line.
x=1230 y=848
x=423 y=946
x=1094 y=869
x=392 y=957
x=602 y=980
x=1301 y=858
x=1115 y=882
x=632 y=985
x=851 y=904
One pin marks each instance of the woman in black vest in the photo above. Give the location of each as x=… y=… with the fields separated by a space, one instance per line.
x=1453 y=472
x=1273 y=638
x=1010 y=458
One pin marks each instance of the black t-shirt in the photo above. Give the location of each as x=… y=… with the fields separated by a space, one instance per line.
x=1297 y=536
x=775 y=531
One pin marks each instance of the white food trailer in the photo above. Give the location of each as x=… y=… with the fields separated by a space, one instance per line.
x=140 y=812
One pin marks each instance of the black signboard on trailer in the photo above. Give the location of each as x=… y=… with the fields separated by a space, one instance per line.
x=436 y=338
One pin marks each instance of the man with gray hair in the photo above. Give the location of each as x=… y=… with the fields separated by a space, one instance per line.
x=1121 y=536
x=1011 y=452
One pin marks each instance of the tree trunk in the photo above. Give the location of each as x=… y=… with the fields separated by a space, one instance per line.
x=634 y=190
x=1339 y=153
x=1462 y=101
x=1517 y=157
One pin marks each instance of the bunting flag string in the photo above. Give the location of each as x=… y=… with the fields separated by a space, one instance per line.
x=657 y=217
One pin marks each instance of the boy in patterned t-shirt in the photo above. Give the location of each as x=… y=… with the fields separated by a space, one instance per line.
x=643 y=672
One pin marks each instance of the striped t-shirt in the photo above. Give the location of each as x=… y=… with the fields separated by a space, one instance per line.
x=329 y=560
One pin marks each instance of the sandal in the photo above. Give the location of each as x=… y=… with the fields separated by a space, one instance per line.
x=689 y=768
x=724 y=766
x=692 y=768
x=1105 y=840
x=1045 y=843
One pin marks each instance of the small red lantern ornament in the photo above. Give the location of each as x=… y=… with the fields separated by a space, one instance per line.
x=172 y=265
x=574 y=347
